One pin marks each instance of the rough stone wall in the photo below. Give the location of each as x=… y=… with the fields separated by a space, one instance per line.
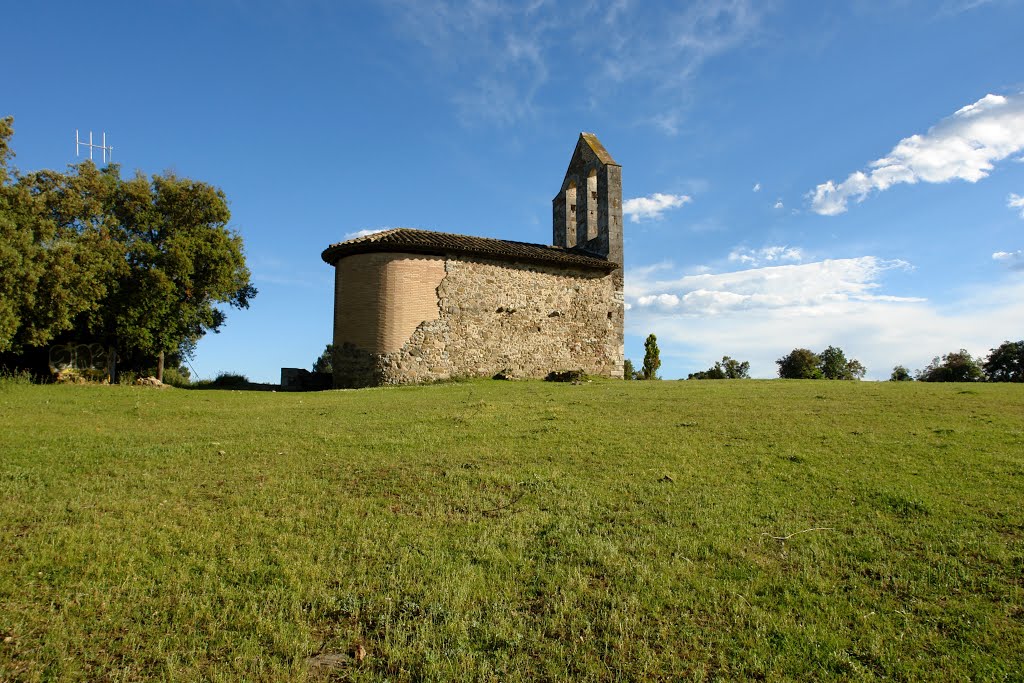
x=493 y=316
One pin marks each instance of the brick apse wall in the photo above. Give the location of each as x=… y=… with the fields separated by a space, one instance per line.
x=404 y=318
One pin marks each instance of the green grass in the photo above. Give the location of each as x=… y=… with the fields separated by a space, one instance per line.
x=513 y=531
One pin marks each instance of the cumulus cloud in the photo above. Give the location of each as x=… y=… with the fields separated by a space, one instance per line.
x=765 y=255
x=653 y=206
x=757 y=187
x=778 y=204
x=963 y=146
x=1015 y=201
x=760 y=314
x=362 y=233
x=660 y=300
x=1014 y=260
x=808 y=288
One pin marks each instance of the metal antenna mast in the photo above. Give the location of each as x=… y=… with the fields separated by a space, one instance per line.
x=108 y=152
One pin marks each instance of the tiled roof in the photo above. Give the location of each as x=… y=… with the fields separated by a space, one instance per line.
x=408 y=240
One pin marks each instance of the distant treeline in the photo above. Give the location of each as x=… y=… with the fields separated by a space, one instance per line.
x=1004 y=363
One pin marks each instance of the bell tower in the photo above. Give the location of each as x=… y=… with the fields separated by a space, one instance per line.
x=588 y=216
x=588 y=209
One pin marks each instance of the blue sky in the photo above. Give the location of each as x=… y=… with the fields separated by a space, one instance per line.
x=801 y=174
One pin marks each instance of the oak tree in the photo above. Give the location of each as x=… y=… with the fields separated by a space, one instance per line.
x=143 y=265
x=799 y=364
x=1005 y=363
x=956 y=366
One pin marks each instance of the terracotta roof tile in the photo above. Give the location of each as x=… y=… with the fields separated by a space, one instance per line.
x=409 y=240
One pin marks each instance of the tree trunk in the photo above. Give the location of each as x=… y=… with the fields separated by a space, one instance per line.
x=112 y=364
x=160 y=367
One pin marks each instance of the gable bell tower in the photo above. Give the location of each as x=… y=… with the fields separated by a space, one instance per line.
x=588 y=209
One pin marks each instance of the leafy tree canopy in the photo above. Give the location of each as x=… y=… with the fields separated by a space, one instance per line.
x=138 y=264
x=1006 y=363
x=829 y=364
x=834 y=365
x=900 y=374
x=958 y=366
x=652 y=358
x=727 y=368
x=799 y=364
x=6 y=153
x=325 y=363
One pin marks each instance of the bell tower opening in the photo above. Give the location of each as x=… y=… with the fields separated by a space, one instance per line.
x=591 y=204
x=570 y=214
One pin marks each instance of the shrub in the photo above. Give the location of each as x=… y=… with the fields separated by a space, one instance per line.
x=12 y=378
x=628 y=371
x=325 y=363
x=176 y=378
x=230 y=379
x=566 y=376
x=727 y=368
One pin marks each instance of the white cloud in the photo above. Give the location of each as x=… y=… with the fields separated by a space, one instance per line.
x=778 y=204
x=653 y=206
x=757 y=187
x=1014 y=260
x=1015 y=201
x=766 y=255
x=761 y=314
x=963 y=146
x=804 y=287
x=667 y=123
x=660 y=300
x=362 y=233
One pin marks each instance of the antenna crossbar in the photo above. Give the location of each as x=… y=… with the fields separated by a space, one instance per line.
x=108 y=151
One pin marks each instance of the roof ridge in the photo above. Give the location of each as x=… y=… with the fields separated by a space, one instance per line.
x=417 y=240
x=603 y=155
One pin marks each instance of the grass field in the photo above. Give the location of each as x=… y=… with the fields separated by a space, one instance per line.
x=513 y=531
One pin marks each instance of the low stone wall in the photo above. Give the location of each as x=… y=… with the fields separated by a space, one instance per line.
x=491 y=316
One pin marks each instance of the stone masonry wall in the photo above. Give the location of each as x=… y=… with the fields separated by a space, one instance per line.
x=493 y=316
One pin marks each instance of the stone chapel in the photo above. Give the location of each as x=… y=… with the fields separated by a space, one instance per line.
x=416 y=305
